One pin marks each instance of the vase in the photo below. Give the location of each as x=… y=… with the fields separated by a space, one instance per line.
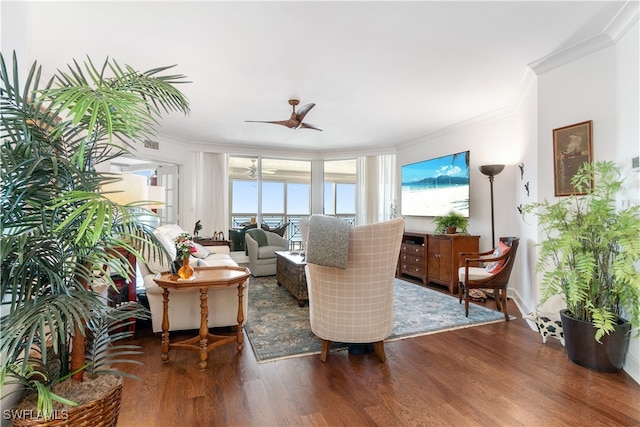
x=583 y=349
x=186 y=271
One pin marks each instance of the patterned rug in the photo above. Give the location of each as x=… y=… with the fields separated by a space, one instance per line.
x=279 y=329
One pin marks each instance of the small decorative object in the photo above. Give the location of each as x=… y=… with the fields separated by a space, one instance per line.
x=197 y=228
x=184 y=248
x=451 y=222
x=186 y=271
x=521 y=166
x=520 y=208
x=394 y=211
x=526 y=187
x=572 y=148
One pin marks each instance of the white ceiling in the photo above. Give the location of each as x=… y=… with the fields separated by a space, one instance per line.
x=380 y=73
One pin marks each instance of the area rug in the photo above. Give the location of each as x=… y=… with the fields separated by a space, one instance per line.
x=278 y=328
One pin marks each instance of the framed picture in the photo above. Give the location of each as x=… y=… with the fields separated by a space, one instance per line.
x=572 y=147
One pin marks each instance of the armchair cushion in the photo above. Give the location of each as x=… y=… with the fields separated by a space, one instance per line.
x=494 y=267
x=475 y=273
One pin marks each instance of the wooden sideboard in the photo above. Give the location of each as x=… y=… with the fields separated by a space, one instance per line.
x=413 y=256
x=434 y=257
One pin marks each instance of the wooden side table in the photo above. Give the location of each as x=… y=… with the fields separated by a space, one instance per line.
x=206 y=277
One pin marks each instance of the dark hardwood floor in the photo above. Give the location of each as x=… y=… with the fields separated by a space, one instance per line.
x=492 y=375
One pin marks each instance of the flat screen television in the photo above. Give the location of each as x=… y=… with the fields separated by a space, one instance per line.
x=437 y=186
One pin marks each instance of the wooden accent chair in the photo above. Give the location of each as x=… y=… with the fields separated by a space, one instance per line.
x=355 y=305
x=473 y=275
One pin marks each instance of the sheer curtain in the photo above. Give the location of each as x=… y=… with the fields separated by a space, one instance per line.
x=212 y=193
x=376 y=188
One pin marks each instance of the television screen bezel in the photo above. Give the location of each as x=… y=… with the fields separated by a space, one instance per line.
x=424 y=212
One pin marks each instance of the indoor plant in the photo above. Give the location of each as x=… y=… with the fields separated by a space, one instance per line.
x=450 y=222
x=58 y=231
x=589 y=256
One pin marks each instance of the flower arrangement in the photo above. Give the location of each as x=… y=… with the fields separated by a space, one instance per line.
x=184 y=245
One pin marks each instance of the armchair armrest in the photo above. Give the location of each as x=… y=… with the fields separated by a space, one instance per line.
x=473 y=257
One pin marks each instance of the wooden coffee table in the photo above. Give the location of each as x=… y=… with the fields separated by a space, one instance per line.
x=290 y=274
x=206 y=277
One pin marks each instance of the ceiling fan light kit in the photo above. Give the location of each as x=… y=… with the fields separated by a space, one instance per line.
x=296 y=119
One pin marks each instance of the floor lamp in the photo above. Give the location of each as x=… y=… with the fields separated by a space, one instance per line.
x=491 y=171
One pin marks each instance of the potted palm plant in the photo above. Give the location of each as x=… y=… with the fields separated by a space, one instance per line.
x=589 y=256
x=450 y=223
x=59 y=232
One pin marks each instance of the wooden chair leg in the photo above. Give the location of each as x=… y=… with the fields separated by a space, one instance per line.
x=378 y=346
x=326 y=344
x=466 y=304
x=460 y=291
x=503 y=293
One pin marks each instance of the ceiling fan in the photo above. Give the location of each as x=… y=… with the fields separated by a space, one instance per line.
x=252 y=170
x=295 y=121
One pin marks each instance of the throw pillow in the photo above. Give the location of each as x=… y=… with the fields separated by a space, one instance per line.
x=328 y=241
x=495 y=266
x=258 y=235
x=201 y=251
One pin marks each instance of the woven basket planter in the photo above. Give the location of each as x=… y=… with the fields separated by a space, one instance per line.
x=101 y=412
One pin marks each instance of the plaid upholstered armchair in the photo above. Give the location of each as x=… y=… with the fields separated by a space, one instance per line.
x=355 y=304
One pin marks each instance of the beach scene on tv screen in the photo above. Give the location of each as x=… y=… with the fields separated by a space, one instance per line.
x=436 y=187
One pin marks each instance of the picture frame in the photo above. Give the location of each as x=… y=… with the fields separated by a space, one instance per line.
x=572 y=147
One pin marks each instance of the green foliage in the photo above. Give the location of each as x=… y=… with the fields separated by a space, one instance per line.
x=452 y=219
x=58 y=231
x=590 y=249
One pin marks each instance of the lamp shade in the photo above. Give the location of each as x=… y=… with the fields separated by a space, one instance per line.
x=491 y=170
x=131 y=188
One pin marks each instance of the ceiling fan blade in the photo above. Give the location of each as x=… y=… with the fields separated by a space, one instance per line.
x=286 y=123
x=303 y=111
x=309 y=126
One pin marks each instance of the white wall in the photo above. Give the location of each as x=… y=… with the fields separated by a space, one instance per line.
x=490 y=142
x=602 y=87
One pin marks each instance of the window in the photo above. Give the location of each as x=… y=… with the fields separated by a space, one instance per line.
x=273 y=191
x=340 y=189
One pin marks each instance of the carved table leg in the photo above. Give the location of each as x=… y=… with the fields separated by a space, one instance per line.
x=204 y=328
x=239 y=335
x=164 y=343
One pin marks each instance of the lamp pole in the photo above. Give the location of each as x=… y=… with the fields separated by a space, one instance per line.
x=491 y=171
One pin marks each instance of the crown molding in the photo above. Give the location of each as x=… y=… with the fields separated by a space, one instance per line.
x=624 y=20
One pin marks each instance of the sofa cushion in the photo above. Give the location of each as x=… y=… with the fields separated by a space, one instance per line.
x=157 y=262
x=268 y=252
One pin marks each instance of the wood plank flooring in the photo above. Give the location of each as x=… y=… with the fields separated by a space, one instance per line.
x=492 y=375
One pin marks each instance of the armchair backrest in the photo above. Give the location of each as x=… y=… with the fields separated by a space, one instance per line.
x=502 y=276
x=356 y=304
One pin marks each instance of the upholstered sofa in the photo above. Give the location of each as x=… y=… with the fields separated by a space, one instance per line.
x=184 y=312
x=261 y=248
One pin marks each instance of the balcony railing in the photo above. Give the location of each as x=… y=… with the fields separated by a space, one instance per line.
x=293 y=233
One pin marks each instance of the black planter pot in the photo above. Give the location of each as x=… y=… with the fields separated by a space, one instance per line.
x=583 y=349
